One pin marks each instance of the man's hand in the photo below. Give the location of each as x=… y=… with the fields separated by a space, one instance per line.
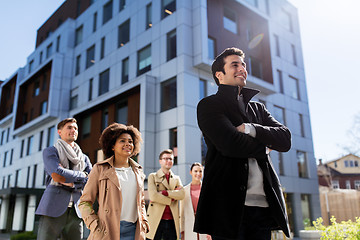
x=68 y=184
x=241 y=128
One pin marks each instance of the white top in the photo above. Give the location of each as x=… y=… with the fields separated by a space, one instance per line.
x=255 y=194
x=128 y=185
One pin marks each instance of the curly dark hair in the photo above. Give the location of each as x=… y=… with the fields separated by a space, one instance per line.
x=110 y=134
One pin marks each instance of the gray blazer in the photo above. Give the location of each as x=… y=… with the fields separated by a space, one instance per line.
x=55 y=199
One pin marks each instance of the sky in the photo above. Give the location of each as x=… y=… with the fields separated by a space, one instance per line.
x=330 y=36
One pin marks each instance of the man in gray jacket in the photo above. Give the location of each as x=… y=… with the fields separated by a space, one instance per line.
x=67 y=169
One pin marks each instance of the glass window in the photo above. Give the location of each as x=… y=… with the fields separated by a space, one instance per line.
x=86 y=127
x=281 y=163
x=41 y=140
x=22 y=148
x=73 y=102
x=255 y=67
x=31 y=65
x=18 y=178
x=58 y=43
x=148 y=16
x=105 y=118
x=357 y=184
x=144 y=60
x=281 y=83
x=94 y=21
x=90 y=56
x=104 y=82
x=43 y=107
x=168 y=7
x=11 y=156
x=211 y=48
x=122 y=5
x=40 y=57
x=203 y=88
x=173 y=143
x=90 y=88
x=293 y=86
x=36 y=91
x=122 y=112
x=293 y=51
x=124 y=33
x=230 y=20
x=348 y=184
x=49 y=50
x=125 y=71
x=286 y=21
x=168 y=94
x=102 y=48
x=335 y=184
x=34 y=176
x=279 y=114
x=30 y=145
x=107 y=11
x=346 y=163
x=171 y=45
x=305 y=207
x=77 y=67
x=78 y=35
x=301 y=123
x=5 y=156
x=51 y=136
x=302 y=164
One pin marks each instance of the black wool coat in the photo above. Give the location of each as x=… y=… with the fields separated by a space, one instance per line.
x=223 y=192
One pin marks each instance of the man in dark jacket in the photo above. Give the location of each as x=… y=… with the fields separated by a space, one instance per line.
x=241 y=196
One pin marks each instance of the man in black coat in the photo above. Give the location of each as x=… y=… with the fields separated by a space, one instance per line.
x=241 y=196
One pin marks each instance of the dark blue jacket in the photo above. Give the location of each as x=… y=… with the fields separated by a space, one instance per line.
x=55 y=199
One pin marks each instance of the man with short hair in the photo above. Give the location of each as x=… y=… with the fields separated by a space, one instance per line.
x=241 y=196
x=165 y=189
x=67 y=169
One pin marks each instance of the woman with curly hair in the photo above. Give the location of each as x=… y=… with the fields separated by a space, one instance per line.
x=118 y=185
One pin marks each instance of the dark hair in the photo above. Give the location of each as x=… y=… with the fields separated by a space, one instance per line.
x=195 y=164
x=218 y=64
x=166 y=151
x=112 y=133
x=65 y=121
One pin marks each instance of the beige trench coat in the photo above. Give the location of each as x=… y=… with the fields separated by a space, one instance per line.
x=103 y=185
x=187 y=217
x=157 y=182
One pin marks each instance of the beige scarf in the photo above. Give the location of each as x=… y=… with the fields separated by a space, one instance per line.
x=69 y=154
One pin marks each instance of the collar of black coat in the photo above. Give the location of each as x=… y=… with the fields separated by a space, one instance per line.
x=232 y=92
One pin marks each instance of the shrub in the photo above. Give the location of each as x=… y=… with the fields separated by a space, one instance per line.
x=23 y=236
x=338 y=231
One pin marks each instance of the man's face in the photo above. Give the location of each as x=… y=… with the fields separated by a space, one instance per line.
x=69 y=132
x=166 y=161
x=235 y=71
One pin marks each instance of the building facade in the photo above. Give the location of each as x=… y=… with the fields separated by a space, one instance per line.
x=147 y=63
x=341 y=173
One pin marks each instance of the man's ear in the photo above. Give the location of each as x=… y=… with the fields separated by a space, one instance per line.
x=219 y=75
x=59 y=131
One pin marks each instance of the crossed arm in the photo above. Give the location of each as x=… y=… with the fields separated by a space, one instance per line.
x=67 y=177
x=232 y=141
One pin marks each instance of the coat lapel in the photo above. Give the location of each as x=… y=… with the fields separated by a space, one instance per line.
x=172 y=181
x=110 y=172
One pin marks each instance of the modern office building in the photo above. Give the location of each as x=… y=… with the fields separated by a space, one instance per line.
x=147 y=63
